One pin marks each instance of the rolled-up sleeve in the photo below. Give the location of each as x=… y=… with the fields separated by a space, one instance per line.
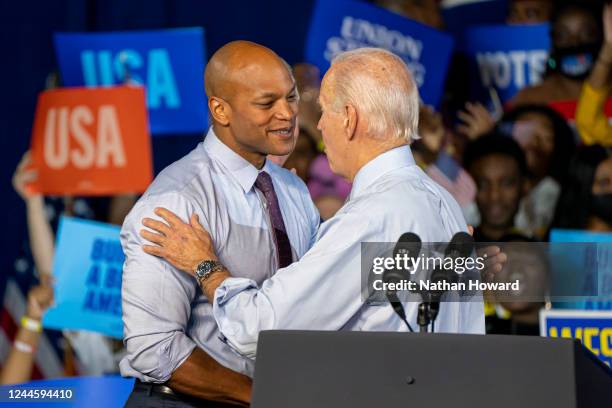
x=321 y=291
x=156 y=299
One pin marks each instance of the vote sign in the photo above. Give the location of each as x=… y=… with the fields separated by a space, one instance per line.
x=506 y=58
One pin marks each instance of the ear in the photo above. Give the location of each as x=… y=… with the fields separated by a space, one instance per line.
x=220 y=110
x=350 y=121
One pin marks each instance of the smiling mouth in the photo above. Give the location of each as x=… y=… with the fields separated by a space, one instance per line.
x=283 y=133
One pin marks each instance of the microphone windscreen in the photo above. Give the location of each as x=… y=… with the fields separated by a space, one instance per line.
x=461 y=245
x=409 y=243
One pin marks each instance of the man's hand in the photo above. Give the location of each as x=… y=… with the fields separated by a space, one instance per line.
x=183 y=245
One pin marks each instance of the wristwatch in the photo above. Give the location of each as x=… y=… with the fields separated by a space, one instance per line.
x=207 y=268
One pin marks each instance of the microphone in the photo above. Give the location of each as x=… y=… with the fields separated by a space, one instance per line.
x=460 y=246
x=409 y=244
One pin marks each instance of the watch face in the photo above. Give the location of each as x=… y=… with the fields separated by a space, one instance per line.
x=204 y=268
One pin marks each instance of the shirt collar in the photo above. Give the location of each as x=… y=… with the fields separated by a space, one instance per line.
x=390 y=160
x=243 y=171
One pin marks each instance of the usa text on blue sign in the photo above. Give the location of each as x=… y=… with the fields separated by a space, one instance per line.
x=169 y=63
x=87 y=269
x=507 y=58
x=344 y=25
x=592 y=328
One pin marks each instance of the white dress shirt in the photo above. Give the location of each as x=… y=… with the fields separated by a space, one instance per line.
x=165 y=314
x=323 y=291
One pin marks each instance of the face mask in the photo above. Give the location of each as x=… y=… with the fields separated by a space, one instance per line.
x=601 y=207
x=574 y=62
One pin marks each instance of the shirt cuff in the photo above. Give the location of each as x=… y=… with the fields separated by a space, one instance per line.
x=230 y=288
x=230 y=316
x=173 y=354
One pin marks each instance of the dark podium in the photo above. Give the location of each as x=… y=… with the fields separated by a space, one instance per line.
x=307 y=369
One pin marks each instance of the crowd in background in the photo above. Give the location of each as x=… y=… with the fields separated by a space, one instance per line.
x=526 y=170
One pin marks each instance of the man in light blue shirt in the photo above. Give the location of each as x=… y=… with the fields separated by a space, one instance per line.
x=169 y=329
x=370 y=110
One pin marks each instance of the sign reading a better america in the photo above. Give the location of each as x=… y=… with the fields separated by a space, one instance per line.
x=168 y=63
x=343 y=25
x=87 y=269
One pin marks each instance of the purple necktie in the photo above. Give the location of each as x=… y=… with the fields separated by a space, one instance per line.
x=283 y=247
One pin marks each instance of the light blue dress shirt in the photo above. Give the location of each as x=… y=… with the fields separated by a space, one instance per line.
x=323 y=291
x=165 y=314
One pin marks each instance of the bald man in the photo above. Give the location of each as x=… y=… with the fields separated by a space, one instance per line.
x=258 y=213
x=370 y=107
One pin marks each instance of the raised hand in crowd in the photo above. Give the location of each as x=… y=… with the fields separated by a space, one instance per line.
x=432 y=135
x=18 y=367
x=476 y=120
x=39 y=228
x=24 y=175
x=600 y=75
x=591 y=119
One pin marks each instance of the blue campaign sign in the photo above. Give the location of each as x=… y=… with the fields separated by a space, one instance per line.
x=87 y=269
x=459 y=15
x=593 y=329
x=74 y=392
x=169 y=63
x=506 y=58
x=343 y=25
x=593 y=262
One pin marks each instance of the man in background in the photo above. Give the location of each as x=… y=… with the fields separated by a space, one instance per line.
x=497 y=165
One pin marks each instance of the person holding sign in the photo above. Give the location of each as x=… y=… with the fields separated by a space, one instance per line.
x=576 y=40
x=370 y=108
x=169 y=329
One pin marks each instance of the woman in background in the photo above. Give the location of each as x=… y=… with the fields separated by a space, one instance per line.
x=586 y=199
x=548 y=144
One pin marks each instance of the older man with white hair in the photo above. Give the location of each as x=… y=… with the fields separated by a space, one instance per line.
x=370 y=107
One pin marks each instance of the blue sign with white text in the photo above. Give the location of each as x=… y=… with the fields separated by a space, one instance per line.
x=169 y=63
x=343 y=25
x=87 y=269
x=506 y=58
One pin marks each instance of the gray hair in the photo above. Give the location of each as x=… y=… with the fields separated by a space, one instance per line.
x=378 y=84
